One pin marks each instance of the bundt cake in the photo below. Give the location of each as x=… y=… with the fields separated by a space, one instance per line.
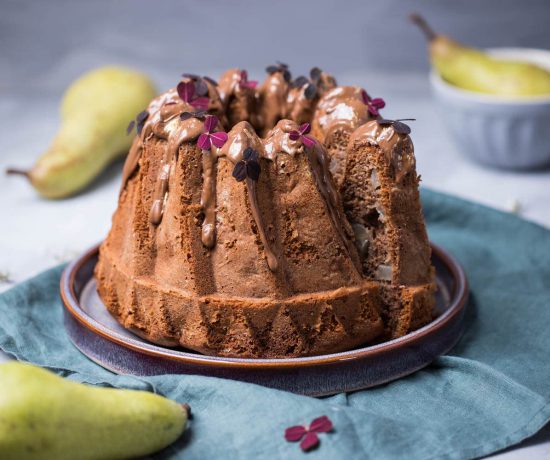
x=277 y=244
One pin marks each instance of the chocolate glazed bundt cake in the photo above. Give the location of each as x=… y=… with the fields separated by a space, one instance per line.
x=245 y=245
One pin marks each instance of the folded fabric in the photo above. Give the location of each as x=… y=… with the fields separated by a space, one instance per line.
x=491 y=391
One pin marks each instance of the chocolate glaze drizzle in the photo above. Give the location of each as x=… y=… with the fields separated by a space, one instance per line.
x=271 y=258
x=272 y=100
x=298 y=106
x=319 y=163
x=398 y=148
x=340 y=108
x=278 y=141
x=239 y=101
x=163 y=110
x=342 y=105
x=208 y=198
x=240 y=138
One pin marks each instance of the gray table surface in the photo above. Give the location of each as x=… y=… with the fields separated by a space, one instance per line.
x=44 y=45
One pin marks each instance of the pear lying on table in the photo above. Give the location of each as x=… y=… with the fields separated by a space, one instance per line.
x=95 y=112
x=475 y=70
x=46 y=417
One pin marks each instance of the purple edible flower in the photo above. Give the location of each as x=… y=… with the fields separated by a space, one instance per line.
x=187 y=90
x=315 y=74
x=209 y=137
x=245 y=83
x=249 y=166
x=210 y=80
x=280 y=67
x=374 y=105
x=308 y=435
x=200 y=114
x=312 y=88
x=140 y=120
x=301 y=135
x=398 y=126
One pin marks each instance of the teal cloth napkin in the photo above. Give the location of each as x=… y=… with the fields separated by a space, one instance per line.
x=491 y=391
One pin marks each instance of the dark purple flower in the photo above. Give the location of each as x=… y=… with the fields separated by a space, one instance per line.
x=280 y=67
x=200 y=114
x=187 y=91
x=299 y=82
x=209 y=137
x=130 y=127
x=190 y=76
x=245 y=83
x=249 y=166
x=140 y=120
x=308 y=435
x=201 y=89
x=210 y=80
x=398 y=125
x=315 y=74
x=374 y=105
x=301 y=135
x=311 y=84
x=310 y=92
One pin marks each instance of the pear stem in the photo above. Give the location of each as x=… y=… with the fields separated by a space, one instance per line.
x=421 y=22
x=187 y=408
x=18 y=172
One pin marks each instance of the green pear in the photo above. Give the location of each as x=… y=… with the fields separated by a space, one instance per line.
x=95 y=112
x=475 y=70
x=46 y=417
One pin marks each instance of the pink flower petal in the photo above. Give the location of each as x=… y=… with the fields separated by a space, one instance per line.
x=308 y=141
x=186 y=90
x=218 y=139
x=200 y=103
x=204 y=142
x=295 y=433
x=365 y=96
x=305 y=128
x=244 y=76
x=321 y=425
x=248 y=84
x=373 y=111
x=294 y=135
x=210 y=123
x=378 y=102
x=310 y=441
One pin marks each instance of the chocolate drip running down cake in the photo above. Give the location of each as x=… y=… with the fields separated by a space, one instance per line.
x=239 y=233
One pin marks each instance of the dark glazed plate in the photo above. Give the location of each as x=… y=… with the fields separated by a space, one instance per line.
x=99 y=336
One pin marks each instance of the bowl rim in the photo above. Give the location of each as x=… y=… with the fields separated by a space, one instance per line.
x=514 y=52
x=458 y=300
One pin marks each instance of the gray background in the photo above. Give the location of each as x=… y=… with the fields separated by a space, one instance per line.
x=45 y=44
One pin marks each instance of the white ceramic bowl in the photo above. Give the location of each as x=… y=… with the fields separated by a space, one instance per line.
x=505 y=132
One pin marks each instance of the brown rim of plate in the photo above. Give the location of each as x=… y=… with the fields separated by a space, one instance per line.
x=71 y=303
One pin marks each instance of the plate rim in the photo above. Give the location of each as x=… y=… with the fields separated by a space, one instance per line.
x=72 y=305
